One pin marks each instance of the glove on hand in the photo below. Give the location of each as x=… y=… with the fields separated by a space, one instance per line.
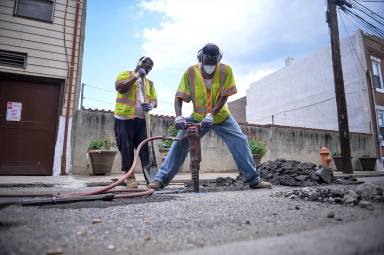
x=140 y=73
x=180 y=122
x=207 y=121
x=147 y=107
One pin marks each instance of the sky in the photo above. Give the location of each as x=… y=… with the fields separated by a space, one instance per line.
x=255 y=36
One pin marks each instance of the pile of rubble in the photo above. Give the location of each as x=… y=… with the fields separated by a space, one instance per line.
x=294 y=173
x=362 y=196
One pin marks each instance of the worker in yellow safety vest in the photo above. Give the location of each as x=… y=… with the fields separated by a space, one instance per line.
x=208 y=84
x=131 y=104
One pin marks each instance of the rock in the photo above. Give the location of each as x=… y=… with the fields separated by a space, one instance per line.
x=366 y=204
x=297 y=207
x=301 y=178
x=95 y=221
x=55 y=251
x=326 y=174
x=111 y=247
x=350 y=197
x=331 y=215
x=313 y=196
x=368 y=191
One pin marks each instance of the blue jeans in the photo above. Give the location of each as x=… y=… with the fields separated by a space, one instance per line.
x=233 y=137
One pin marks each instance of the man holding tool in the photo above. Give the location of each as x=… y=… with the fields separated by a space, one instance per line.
x=208 y=84
x=136 y=96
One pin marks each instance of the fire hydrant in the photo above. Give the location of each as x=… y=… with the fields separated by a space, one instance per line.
x=325 y=158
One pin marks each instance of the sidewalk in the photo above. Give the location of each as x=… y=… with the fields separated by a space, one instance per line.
x=80 y=181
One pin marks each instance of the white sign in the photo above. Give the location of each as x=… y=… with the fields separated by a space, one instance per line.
x=14 y=111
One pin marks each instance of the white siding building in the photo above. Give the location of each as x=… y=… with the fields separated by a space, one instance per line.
x=41 y=48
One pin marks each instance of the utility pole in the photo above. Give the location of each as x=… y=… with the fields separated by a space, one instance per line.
x=342 y=113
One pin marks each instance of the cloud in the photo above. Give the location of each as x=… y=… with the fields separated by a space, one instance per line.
x=242 y=28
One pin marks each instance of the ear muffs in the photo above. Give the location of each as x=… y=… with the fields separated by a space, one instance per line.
x=200 y=53
x=141 y=60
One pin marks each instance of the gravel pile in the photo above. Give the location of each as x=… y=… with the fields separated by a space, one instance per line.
x=362 y=196
x=292 y=173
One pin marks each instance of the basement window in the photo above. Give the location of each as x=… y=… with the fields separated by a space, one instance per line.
x=35 y=9
x=377 y=77
x=13 y=59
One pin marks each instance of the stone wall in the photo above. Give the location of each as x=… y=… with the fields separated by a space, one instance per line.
x=283 y=142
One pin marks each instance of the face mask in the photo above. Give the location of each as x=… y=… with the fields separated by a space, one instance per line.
x=209 y=69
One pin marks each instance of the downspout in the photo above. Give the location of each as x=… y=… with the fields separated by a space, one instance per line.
x=69 y=91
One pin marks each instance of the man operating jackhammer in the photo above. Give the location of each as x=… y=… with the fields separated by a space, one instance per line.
x=130 y=127
x=208 y=84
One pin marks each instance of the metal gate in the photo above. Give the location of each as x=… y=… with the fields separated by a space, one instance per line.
x=28 y=124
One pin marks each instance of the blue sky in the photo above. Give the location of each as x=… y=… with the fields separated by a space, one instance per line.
x=255 y=37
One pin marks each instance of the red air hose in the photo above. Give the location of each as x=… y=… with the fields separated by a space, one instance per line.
x=106 y=189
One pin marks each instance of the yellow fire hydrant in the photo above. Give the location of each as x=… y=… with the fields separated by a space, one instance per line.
x=325 y=158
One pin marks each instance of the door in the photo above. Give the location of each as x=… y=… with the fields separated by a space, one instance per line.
x=28 y=112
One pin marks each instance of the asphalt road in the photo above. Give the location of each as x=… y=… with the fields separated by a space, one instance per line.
x=226 y=222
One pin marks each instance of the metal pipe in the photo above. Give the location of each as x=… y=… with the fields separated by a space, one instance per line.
x=69 y=90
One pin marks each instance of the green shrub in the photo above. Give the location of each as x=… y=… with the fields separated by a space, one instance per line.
x=257 y=147
x=99 y=144
x=172 y=131
x=336 y=154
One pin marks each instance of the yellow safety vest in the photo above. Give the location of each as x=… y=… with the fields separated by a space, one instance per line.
x=192 y=87
x=126 y=102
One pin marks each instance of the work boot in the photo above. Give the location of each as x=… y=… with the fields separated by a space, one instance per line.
x=261 y=185
x=132 y=183
x=156 y=185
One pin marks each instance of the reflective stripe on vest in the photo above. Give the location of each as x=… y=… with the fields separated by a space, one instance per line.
x=201 y=110
x=126 y=103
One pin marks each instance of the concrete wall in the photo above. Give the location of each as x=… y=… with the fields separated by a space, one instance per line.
x=283 y=142
x=302 y=94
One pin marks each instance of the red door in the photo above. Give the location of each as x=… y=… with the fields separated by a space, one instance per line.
x=27 y=145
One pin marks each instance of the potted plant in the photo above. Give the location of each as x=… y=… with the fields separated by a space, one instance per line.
x=102 y=153
x=258 y=150
x=367 y=162
x=166 y=144
x=336 y=156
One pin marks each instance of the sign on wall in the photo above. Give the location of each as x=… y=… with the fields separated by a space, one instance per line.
x=14 y=111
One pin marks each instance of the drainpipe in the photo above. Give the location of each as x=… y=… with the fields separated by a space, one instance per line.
x=69 y=91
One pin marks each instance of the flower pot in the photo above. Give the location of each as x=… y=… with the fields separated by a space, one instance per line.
x=102 y=161
x=368 y=163
x=338 y=163
x=257 y=159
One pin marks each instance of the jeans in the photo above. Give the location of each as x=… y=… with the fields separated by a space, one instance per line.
x=233 y=137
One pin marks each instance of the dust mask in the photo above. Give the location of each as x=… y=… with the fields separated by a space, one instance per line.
x=209 y=69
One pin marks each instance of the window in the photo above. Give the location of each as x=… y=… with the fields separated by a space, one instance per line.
x=380 y=124
x=35 y=9
x=377 y=76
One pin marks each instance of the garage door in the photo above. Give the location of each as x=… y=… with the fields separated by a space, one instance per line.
x=28 y=126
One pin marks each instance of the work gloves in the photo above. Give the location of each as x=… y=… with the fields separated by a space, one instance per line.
x=147 y=106
x=140 y=73
x=207 y=121
x=180 y=122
